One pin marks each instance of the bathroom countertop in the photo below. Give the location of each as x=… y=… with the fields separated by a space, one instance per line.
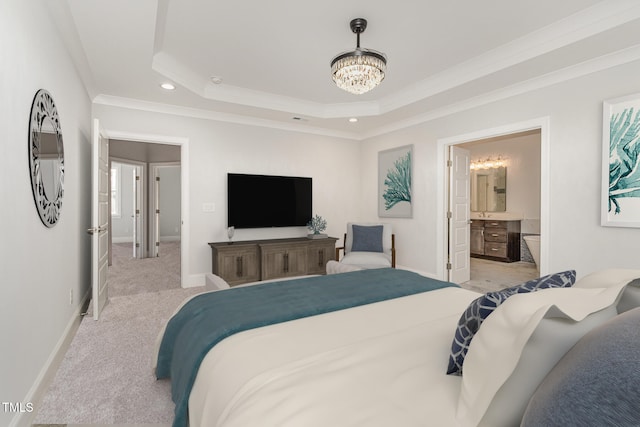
x=499 y=216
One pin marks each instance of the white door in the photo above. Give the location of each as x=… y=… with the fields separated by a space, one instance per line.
x=155 y=236
x=138 y=234
x=99 y=219
x=459 y=215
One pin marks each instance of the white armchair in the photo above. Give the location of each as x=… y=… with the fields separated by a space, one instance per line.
x=368 y=245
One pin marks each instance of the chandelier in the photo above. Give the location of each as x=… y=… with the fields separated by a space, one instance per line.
x=360 y=70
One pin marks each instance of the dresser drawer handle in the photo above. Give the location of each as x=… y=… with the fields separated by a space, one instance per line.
x=495 y=235
x=239 y=266
x=495 y=249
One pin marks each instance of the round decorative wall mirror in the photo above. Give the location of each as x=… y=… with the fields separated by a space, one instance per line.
x=46 y=158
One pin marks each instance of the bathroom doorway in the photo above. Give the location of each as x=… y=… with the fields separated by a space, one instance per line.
x=523 y=149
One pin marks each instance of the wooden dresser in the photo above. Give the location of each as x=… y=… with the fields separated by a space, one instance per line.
x=253 y=260
x=495 y=239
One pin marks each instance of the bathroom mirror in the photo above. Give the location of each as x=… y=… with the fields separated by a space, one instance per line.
x=489 y=190
x=46 y=158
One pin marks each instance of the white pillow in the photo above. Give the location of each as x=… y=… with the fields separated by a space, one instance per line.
x=500 y=344
x=335 y=267
x=614 y=276
x=367 y=259
x=607 y=278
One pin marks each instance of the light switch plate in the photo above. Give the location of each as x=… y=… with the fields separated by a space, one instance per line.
x=208 y=207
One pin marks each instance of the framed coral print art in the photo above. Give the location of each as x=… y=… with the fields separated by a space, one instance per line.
x=621 y=162
x=395 y=167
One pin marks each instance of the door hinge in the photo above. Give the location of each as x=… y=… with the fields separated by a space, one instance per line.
x=137 y=245
x=158 y=178
x=449 y=163
x=448 y=266
x=137 y=178
x=449 y=215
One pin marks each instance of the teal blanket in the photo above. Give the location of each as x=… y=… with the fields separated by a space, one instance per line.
x=208 y=318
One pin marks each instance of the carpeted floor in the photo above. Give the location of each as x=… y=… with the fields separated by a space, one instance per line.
x=106 y=376
x=129 y=276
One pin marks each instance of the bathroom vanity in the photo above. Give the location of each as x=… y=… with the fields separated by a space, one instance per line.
x=494 y=239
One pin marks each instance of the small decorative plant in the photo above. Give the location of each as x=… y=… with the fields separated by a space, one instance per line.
x=317 y=224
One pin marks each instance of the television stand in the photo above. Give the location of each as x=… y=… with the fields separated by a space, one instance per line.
x=254 y=260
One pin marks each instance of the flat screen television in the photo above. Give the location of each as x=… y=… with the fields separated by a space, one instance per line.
x=260 y=201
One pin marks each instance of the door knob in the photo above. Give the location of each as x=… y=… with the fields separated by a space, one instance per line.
x=94 y=230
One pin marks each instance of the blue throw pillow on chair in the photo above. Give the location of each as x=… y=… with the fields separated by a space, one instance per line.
x=367 y=238
x=482 y=307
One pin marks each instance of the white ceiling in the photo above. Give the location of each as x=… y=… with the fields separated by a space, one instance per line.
x=273 y=56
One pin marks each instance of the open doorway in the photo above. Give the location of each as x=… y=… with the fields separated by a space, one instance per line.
x=524 y=146
x=127 y=207
x=504 y=207
x=142 y=210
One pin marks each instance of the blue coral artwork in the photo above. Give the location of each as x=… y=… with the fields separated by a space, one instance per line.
x=394 y=182
x=621 y=162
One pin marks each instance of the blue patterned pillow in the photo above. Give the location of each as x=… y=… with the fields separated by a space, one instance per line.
x=482 y=307
x=367 y=238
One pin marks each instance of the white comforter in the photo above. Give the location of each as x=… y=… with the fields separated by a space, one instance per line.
x=381 y=364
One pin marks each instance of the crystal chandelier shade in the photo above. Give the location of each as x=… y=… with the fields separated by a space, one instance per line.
x=360 y=70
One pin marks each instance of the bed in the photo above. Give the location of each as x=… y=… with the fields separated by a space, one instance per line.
x=378 y=360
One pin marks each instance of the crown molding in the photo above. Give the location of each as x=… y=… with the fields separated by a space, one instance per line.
x=601 y=63
x=171 y=68
x=63 y=21
x=596 y=19
x=601 y=17
x=136 y=104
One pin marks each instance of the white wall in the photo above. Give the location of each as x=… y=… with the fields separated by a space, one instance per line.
x=216 y=148
x=39 y=266
x=576 y=238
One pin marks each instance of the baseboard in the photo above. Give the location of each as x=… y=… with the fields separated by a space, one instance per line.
x=125 y=239
x=193 y=280
x=48 y=372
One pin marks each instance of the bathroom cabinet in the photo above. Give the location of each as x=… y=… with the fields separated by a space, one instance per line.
x=497 y=240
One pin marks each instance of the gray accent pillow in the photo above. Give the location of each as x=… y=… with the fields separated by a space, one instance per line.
x=597 y=383
x=367 y=238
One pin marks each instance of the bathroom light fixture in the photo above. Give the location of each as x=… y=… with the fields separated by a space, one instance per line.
x=360 y=70
x=167 y=86
x=488 y=163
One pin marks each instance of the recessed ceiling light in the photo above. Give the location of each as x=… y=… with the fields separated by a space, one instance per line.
x=353 y=119
x=216 y=80
x=167 y=86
